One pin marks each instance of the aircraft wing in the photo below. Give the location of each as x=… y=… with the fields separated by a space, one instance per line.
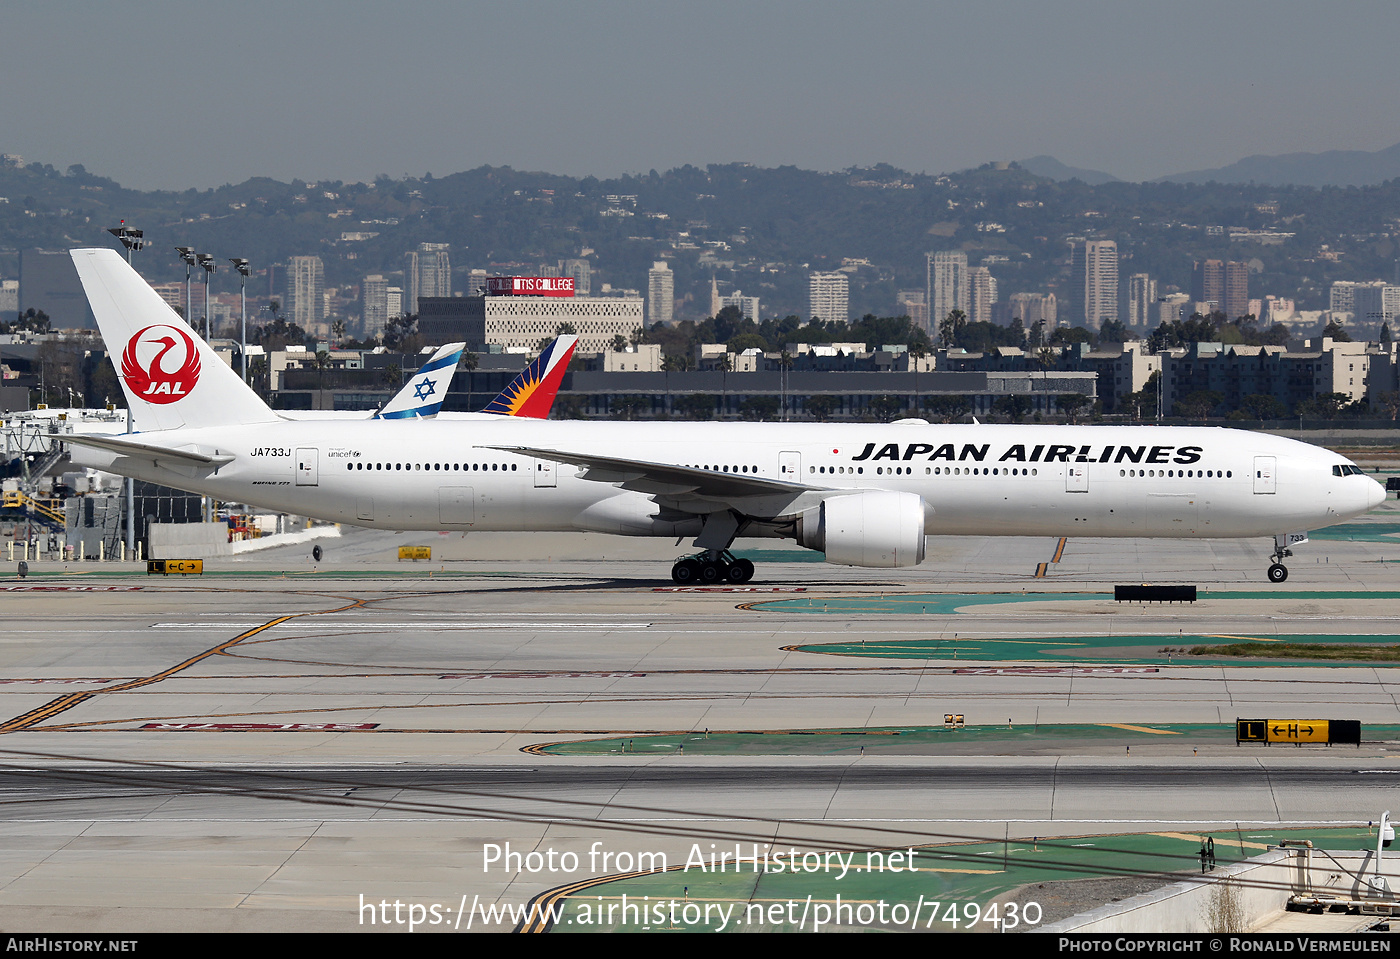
x=148 y=451
x=664 y=479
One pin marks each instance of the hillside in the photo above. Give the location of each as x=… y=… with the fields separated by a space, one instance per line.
x=760 y=230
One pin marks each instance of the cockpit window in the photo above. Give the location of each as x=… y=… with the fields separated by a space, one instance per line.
x=1347 y=469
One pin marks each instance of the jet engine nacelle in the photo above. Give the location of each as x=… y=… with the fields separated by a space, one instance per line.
x=881 y=528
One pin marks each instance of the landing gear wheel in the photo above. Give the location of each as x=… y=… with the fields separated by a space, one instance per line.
x=741 y=571
x=1278 y=573
x=711 y=572
x=685 y=572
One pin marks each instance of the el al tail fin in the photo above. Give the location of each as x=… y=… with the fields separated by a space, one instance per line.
x=531 y=394
x=423 y=394
x=171 y=377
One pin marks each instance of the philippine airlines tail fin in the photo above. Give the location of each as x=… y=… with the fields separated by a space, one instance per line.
x=423 y=394
x=171 y=377
x=531 y=394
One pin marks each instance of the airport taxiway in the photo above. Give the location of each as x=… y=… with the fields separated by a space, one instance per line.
x=255 y=748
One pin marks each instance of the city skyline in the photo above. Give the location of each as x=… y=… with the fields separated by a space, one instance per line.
x=158 y=98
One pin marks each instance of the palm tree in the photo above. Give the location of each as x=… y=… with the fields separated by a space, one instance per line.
x=1045 y=357
x=725 y=364
x=950 y=327
x=469 y=362
x=785 y=361
x=323 y=363
x=917 y=352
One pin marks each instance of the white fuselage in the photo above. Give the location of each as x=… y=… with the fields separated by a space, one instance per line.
x=977 y=479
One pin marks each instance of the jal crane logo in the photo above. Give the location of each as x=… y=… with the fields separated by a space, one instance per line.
x=146 y=359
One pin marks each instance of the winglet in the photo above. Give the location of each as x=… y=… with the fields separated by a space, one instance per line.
x=531 y=394
x=423 y=394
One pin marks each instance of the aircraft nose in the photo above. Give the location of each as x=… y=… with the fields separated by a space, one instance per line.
x=1375 y=495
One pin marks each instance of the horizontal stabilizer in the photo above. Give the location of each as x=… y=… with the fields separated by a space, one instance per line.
x=149 y=451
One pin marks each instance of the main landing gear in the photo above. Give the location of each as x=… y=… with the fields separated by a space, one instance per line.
x=711 y=567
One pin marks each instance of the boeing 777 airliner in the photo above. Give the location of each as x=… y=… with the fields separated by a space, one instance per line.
x=865 y=495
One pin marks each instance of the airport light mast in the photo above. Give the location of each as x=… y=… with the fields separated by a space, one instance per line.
x=206 y=260
x=241 y=266
x=188 y=254
x=132 y=240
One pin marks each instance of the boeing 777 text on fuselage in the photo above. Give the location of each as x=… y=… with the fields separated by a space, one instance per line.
x=863 y=494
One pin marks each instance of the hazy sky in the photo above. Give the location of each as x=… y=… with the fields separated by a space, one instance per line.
x=174 y=95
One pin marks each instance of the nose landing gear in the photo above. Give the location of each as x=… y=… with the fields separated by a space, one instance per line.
x=712 y=567
x=1279 y=572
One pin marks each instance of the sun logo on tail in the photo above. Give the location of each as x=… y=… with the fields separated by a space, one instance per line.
x=149 y=380
x=531 y=394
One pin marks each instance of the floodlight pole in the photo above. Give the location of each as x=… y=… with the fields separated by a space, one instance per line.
x=188 y=255
x=206 y=260
x=241 y=265
x=132 y=240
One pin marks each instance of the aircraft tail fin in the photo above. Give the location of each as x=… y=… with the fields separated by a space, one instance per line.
x=171 y=377
x=423 y=394
x=531 y=394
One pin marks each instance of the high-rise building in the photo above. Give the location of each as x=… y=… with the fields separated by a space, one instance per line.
x=1374 y=302
x=374 y=297
x=913 y=304
x=746 y=305
x=1035 y=308
x=521 y=322
x=1236 y=289
x=306 y=289
x=582 y=272
x=426 y=272
x=1224 y=284
x=947 y=284
x=1171 y=307
x=1094 y=282
x=1342 y=298
x=1142 y=298
x=277 y=283
x=172 y=293
x=982 y=293
x=829 y=297
x=1208 y=283
x=661 y=293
